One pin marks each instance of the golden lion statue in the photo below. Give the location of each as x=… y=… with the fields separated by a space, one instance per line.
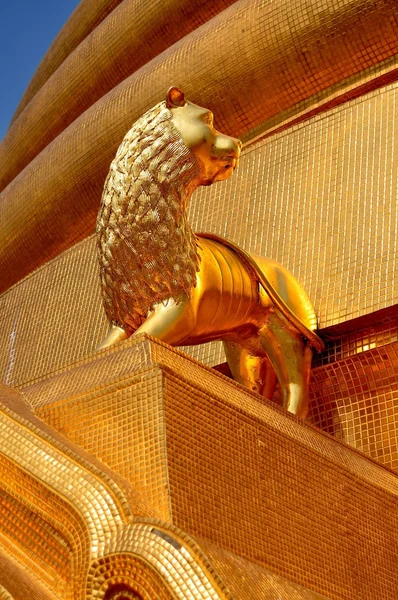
x=158 y=277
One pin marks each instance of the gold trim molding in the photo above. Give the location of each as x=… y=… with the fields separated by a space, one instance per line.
x=91 y=515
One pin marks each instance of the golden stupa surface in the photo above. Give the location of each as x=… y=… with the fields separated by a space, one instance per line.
x=139 y=471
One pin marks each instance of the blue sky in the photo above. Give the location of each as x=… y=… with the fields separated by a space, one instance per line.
x=27 y=29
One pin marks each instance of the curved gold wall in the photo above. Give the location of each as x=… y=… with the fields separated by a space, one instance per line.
x=254 y=61
x=130 y=37
x=87 y=15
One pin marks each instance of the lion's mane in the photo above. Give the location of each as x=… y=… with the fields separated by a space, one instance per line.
x=147 y=251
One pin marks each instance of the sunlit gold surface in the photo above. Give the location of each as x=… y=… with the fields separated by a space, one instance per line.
x=275 y=508
x=298 y=216
x=241 y=474
x=80 y=530
x=295 y=55
x=4 y=595
x=62 y=508
x=136 y=32
x=26 y=356
x=159 y=278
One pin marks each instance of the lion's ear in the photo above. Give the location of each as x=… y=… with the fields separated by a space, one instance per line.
x=175 y=98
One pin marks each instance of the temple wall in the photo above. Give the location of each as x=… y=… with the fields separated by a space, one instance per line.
x=312 y=197
x=289 y=58
x=135 y=471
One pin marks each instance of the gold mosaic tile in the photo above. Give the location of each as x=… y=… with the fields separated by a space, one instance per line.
x=19 y=583
x=356 y=400
x=359 y=340
x=347 y=262
x=291 y=53
x=4 y=595
x=264 y=584
x=240 y=473
x=186 y=573
x=251 y=483
x=329 y=224
x=67 y=523
x=96 y=419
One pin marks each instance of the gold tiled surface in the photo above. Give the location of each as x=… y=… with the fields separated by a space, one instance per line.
x=44 y=550
x=263 y=584
x=356 y=400
x=52 y=318
x=126 y=567
x=245 y=475
x=276 y=54
x=121 y=410
x=125 y=41
x=360 y=340
x=20 y=434
x=19 y=583
x=87 y=15
x=332 y=226
x=73 y=528
x=186 y=572
x=301 y=499
x=4 y=595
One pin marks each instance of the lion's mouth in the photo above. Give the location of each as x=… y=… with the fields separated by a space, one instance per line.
x=230 y=162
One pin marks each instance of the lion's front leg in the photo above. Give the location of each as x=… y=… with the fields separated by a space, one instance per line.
x=115 y=334
x=171 y=322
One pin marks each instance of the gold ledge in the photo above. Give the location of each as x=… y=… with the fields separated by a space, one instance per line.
x=62 y=523
x=240 y=473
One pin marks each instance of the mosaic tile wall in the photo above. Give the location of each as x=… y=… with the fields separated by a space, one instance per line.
x=73 y=527
x=240 y=473
x=290 y=56
x=320 y=197
x=331 y=225
x=356 y=400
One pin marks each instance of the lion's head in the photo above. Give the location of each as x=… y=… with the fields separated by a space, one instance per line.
x=147 y=251
x=217 y=154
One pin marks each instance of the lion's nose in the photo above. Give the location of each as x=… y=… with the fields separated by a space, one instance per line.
x=224 y=145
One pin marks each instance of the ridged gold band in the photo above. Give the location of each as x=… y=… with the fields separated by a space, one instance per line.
x=291 y=53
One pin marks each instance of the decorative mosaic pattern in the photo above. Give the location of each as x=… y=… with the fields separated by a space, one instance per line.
x=347 y=264
x=240 y=473
x=285 y=53
x=254 y=484
x=174 y=558
x=131 y=456
x=57 y=517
